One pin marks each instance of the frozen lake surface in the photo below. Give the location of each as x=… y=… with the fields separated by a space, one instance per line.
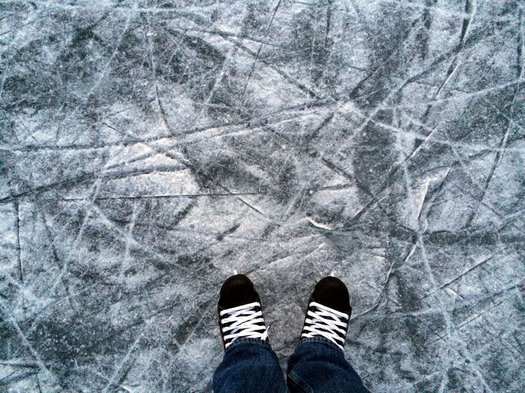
x=148 y=148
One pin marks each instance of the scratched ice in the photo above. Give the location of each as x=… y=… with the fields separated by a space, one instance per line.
x=148 y=148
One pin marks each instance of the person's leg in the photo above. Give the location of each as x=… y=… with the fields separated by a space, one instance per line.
x=249 y=364
x=318 y=364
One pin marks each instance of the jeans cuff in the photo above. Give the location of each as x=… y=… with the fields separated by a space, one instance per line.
x=319 y=339
x=248 y=340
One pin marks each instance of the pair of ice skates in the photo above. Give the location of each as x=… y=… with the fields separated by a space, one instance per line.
x=241 y=316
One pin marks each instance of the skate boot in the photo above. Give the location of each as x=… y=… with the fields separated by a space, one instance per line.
x=328 y=312
x=240 y=312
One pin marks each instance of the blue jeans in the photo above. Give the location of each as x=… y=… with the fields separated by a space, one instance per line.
x=316 y=366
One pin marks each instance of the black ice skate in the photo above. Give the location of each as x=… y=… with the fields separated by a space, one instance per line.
x=328 y=312
x=240 y=312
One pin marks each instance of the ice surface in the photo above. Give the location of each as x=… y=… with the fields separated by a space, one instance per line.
x=149 y=148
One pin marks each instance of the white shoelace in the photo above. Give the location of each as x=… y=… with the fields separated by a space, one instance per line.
x=243 y=321
x=325 y=322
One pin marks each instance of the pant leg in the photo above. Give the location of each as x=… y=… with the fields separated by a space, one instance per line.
x=319 y=366
x=249 y=366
